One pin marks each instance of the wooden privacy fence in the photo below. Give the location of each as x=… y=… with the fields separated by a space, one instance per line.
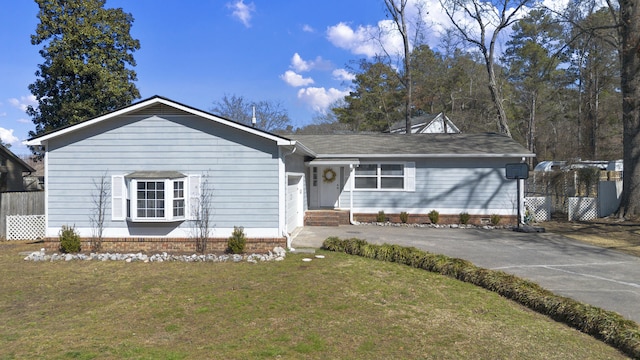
x=18 y=204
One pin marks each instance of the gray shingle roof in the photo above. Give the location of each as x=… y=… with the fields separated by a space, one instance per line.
x=419 y=145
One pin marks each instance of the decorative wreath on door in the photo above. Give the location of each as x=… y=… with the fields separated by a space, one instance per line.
x=328 y=175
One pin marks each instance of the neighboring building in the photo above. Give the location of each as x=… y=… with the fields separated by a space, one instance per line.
x=426 y=124
x=161 y=158
x=12 y=171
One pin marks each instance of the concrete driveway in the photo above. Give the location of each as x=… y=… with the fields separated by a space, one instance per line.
x=593 y=275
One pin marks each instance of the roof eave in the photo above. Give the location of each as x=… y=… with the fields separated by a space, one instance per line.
x=37 y=141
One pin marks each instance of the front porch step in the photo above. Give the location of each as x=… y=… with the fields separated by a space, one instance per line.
x=326 y=218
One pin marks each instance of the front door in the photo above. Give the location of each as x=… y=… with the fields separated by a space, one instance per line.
x=329 y=186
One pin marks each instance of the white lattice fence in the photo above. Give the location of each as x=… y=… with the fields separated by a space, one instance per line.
x=582 y=208
x=539 y=207
x=25 y=227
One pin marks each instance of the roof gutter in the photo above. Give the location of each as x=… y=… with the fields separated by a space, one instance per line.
x=334 y=156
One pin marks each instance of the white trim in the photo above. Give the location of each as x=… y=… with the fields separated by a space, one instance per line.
x=282 y=192
x=150 y=102
x=334 y=162
x=46 y=186
x=182 y=232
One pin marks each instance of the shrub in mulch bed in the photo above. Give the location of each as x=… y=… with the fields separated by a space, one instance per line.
x=605 y=325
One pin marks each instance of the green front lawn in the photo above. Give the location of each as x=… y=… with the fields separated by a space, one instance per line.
x=339 y=307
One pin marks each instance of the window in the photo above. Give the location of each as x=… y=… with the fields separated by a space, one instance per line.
x=154 y=196
x=384 y=176
x=150 y=198
x=178 y=198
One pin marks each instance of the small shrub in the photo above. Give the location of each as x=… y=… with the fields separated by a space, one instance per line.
x=69 y=239
x=237 y=241
x=464 y=218
x=404 y=217
x=381 y=216
x=495 y=219
x=434 y=216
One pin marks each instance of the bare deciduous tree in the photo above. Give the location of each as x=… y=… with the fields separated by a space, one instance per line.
x=500 y=15
x=201 y=212
x=100 y=197
x=398 y=11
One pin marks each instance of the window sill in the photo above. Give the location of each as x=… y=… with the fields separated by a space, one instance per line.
x=150 y=220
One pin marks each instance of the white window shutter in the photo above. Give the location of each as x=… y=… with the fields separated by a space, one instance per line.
x=193 y=205
x=410 y=176
x=118 y=198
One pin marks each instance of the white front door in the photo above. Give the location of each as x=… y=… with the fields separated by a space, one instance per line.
x=294 y=207
x=329 y=184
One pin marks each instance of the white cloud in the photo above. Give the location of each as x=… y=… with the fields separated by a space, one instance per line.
x=294 y=79
x=242 y=11
x=343 y=75
x=308 y=28
x=300 y=65
x=319 y=99
x=23 y=102
x=6 y=135
x=360 y=41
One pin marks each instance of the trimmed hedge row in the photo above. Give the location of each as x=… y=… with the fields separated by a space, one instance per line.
x=605 y=325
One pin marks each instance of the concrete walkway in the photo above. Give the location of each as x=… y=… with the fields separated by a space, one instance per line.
x=593 y=275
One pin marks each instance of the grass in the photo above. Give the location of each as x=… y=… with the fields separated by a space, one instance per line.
x=338 y=307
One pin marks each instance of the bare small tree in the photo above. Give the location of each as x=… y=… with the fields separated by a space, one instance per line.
x=201 y=211
x=100 y=197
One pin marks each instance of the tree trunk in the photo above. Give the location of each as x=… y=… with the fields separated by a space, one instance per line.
x=503 y=126
x=630 y=84
x=532 y=128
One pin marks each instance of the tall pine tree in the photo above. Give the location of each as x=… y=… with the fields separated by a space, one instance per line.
x=88 y=60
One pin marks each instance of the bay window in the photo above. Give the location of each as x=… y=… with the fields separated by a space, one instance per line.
x=154 y=196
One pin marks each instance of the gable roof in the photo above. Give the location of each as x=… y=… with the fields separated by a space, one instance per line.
x=155 y=100
x=10 y=155
x=426 y=124
x=415 y=145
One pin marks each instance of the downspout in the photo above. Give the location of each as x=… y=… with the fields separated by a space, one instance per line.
x=284 y=231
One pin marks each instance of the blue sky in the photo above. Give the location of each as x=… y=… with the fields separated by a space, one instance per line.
x=196 y=51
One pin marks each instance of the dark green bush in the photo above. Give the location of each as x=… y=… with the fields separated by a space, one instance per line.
x=404 y=217
x=69 y=239
x=434 y=216
x=495 y=219
x=608 y=326
x=381 y=217
x=237 y=241
x=464 y=218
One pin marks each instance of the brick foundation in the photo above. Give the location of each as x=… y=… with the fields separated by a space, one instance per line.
x=445 y=219
x=169 y=245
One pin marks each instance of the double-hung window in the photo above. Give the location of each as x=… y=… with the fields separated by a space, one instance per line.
x=392 y=176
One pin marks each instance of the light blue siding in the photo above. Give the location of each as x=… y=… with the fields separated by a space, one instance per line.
x=448 y=185
x=239 y=169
